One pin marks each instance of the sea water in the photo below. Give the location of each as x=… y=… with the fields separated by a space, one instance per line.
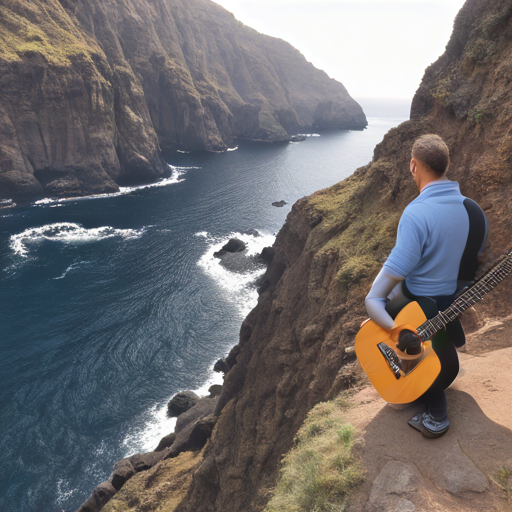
x=110 y=305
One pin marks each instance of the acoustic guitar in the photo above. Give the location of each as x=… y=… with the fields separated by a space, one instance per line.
x=400 y=378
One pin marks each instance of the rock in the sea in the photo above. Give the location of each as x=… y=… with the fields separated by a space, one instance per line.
x=298 y=138
x=234 y=245
x=267 y=254
x=252 y=232
x=279 y=204
x=181 y=402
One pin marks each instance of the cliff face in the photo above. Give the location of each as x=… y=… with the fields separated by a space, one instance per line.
x=292 y=345
x=92 y=91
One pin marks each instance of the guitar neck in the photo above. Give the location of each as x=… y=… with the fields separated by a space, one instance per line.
x=470 y=297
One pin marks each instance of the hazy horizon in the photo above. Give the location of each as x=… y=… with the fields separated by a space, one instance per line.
x=375 y=48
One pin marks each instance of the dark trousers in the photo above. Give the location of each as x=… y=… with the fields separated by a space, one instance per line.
x=444 y=344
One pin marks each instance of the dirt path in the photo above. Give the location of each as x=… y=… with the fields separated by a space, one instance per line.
x=458 y=472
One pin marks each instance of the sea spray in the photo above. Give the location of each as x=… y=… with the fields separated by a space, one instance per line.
x=241 y=286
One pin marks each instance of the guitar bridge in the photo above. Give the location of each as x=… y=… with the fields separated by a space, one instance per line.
x=392 y=359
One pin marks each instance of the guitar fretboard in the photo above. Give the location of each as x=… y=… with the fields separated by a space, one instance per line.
x=469 y=298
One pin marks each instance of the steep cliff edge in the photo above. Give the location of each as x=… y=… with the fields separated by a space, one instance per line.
x=93 y=91
x=292 y=345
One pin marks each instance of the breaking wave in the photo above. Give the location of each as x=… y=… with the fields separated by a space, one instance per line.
x=238 y=278
x=67 y=233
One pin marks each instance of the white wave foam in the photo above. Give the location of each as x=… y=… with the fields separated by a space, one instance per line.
x=240 y=291
x=237 y=284
x=64 y=491
x=232 y=149
x=158 y=424
x=70 y=268
x=175 y=177
x=67 y=233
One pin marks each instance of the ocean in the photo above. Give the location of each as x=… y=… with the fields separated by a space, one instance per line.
x=110 y=305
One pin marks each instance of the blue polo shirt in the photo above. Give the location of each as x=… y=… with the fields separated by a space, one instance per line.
x=430 y=241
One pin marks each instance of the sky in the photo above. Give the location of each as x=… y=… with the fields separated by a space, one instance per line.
x=376 y=48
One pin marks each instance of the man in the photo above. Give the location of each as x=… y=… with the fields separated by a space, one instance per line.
x=439 y=237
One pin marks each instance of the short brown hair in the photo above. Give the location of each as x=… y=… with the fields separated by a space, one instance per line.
x=433 y=152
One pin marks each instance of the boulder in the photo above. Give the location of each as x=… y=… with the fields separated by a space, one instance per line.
x=181 y=402
x=279 y=204
x=458 y=474
x=99 y=498
x=165 y=442
x=214 y=390
x=252 y=232
x=267 y=255
x=395 y=488
x=233 y=245
x=225 y=364
x=145 y=461
x=221 y=366
x=194 y=427
x=122 y=472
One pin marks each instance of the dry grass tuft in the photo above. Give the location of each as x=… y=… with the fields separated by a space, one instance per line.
x=320 y=471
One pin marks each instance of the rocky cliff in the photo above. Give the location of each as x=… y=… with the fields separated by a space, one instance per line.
x=292 y=351
x=92 y=92
x=292 y=345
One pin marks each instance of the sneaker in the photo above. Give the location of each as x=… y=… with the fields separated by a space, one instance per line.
x=428 y=426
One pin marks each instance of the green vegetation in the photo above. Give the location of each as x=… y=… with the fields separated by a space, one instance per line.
x=441 y=91
x=321 y=470
x=356 y=269
x=475 y=115
x=30 y=29
x=504 y=478
x=160 y=489
x=356 y=228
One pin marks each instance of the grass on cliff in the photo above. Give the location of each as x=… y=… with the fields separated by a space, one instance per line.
x=318 y=474
x=160 y=489
x=504 y=478
x=41 y=28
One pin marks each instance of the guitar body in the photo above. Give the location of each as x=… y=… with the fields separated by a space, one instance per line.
x=398 y=378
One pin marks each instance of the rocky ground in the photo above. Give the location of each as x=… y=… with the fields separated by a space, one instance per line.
x=468 y=469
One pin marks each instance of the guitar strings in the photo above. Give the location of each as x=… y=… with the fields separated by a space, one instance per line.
x=500 y=270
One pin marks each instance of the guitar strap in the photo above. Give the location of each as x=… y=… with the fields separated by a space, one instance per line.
x=477 y=238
